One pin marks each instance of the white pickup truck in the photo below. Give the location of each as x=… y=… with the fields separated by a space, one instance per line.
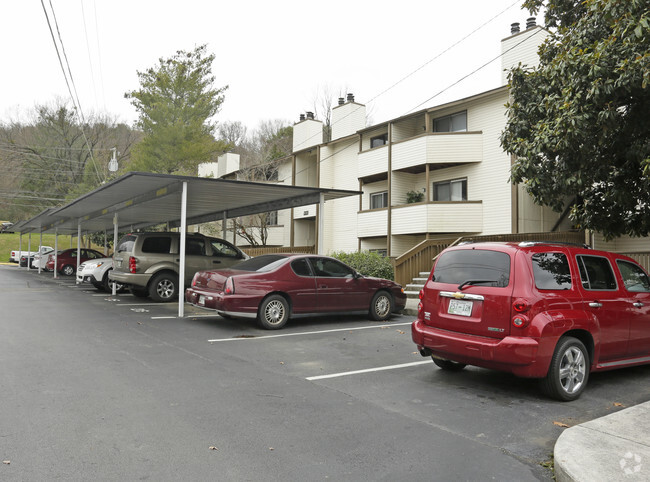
x=15 y=255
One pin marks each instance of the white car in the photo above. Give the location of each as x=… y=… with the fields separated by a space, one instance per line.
x=40 y=259
x=95 y=271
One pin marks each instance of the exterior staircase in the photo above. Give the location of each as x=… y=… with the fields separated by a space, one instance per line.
x=412 y=291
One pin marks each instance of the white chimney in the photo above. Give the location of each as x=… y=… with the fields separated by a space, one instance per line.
x=308 y=132
x=521 y=47
x=347 y=118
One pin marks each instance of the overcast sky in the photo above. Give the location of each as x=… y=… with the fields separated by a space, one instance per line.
x=274 y=55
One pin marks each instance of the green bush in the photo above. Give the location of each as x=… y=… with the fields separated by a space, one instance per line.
x=367 y=263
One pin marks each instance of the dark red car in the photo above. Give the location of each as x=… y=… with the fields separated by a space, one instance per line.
x=540 y=310
x=274 y=288
x=66 y=262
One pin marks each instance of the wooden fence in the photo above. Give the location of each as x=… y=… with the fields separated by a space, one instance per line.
x=419 y=259
x=260 y=250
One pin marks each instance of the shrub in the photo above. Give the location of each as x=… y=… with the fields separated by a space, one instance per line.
x=414 y=197
x=367 y=263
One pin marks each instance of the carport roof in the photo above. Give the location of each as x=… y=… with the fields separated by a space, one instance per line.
x=144 y=199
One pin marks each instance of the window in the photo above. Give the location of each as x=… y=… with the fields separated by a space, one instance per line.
x=331 y=268
x=377 y=141
x=272 y=218
x=301 y=267
x=381 y=252
x=455 y=190
x=194 y=247
x=633 y=276
x=451 y=123
x=479 y=266
x=596 y=273
x=379 y=200
x=220 y=248
x=551 y=271
x=159 y=245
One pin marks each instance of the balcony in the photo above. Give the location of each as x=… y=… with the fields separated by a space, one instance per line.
x=438 y=217
x=443 y=149
x=373 y=163
x=372 y=223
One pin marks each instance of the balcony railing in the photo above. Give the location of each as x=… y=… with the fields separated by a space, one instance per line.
x=438 y=217
x=437 y=148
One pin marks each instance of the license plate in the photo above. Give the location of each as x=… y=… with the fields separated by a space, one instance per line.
x=202 y=300
x=118 y=263
x=460 y=307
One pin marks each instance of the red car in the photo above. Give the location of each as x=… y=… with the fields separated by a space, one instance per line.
x=540 y=310
x=276 y=287
x=67 y=260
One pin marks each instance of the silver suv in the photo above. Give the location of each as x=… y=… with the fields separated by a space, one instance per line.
x=148 y=263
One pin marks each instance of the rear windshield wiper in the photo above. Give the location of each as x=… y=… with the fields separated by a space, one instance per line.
x=475 y=282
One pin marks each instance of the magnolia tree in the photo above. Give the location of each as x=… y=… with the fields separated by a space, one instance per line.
x=578 y=123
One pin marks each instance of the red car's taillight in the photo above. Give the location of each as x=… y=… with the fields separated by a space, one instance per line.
x=132 y=264
x=519 y=320
x=229 y=286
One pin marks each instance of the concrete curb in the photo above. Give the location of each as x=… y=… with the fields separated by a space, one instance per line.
x=614 y=447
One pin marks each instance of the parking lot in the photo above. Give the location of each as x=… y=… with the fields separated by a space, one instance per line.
x=96 y=386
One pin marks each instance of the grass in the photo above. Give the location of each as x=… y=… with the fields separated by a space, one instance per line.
x=10 y=242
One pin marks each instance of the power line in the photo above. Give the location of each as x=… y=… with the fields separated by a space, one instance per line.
x=77 y=104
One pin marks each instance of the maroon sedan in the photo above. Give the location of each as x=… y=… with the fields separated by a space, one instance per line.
x=276 y=287
x=66 y=260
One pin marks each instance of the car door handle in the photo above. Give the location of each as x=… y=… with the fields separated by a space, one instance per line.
x=595 y=304
x=638 y=304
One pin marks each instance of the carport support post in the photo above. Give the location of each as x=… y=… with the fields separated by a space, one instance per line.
x=181 y=267
x=29 y=250
x=56 y=249
x=114 y=292
x=78 y=247
x=321 y=223
x=40 y=254
x=20 y=247
x=224 y=226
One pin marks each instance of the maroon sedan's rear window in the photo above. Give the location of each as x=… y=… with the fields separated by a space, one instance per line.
x=262 y=263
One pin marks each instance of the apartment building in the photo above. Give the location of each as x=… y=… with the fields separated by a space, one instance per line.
x=438 y=173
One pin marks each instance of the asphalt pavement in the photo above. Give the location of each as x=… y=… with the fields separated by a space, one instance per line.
x=117 y=388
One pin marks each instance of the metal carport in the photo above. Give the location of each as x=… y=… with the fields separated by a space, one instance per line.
x=137 y=200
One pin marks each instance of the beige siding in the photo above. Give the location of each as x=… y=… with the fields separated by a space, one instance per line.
x=307 y=133
x=373 y=162
x=347 y=119
x=624 y=244
x=373 y=243
x=401 y=244
x=521 y=47
x=408 y=128
x=372 y=223
x=404 y=182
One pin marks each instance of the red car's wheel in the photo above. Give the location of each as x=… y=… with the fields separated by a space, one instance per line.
x=273 y=313
x=381 y=306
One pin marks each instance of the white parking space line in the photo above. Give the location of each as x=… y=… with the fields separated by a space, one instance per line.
x=311 y=332
x=138 y=304
x=164 y=317
x=368 y=370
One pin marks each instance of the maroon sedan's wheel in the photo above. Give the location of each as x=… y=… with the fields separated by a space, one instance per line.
x=67 y=270
x=273 y=313
x=381 y=306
